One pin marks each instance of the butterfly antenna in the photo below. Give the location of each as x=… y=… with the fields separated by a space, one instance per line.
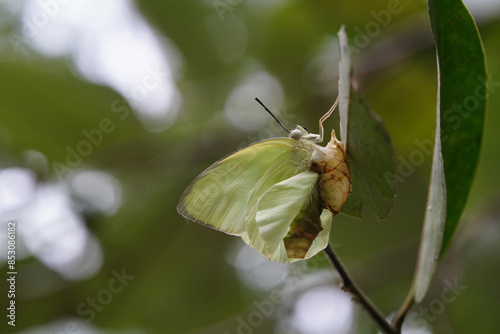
x=275 y=118
x=325 y=116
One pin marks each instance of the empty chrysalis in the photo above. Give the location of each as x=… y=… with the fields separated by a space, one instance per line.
x=278 y=194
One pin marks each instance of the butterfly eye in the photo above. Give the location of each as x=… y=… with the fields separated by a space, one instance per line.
x=296 y=134
x=305 y=128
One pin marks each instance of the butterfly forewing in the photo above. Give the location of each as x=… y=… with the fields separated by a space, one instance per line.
x=225 y=195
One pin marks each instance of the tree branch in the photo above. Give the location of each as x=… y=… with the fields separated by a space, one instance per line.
x=350 y=286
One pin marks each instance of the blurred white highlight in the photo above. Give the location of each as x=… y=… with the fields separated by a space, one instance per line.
x=111 y=44
x=321 y=310
x=254 y=270
x=48 y=220
x=241 y=108
x=99 y=191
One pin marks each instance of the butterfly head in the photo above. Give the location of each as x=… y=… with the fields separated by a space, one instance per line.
x=301 y=133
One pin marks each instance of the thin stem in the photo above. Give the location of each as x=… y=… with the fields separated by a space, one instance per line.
x=403 y=310
x=350 y=286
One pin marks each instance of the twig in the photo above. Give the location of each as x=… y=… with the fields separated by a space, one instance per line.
x=403 y=310
x=350 y=286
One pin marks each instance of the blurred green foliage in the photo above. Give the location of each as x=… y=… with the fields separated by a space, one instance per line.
x=184 y=282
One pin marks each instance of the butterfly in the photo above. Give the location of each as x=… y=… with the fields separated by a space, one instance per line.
x=278 y=195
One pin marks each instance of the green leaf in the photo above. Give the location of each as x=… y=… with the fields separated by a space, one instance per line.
x=460 y=116
x=368 y=145
x=435 y=216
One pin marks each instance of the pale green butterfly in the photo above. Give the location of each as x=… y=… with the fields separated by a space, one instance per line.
x=278 y=194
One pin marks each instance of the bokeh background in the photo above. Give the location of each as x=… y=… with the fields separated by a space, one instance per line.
x=109 y=109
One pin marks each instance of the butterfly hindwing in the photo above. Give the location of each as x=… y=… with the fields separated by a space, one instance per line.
x=289 y=219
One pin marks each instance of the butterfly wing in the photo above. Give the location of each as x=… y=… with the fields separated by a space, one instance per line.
x=288 y=224
x=225 y=195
